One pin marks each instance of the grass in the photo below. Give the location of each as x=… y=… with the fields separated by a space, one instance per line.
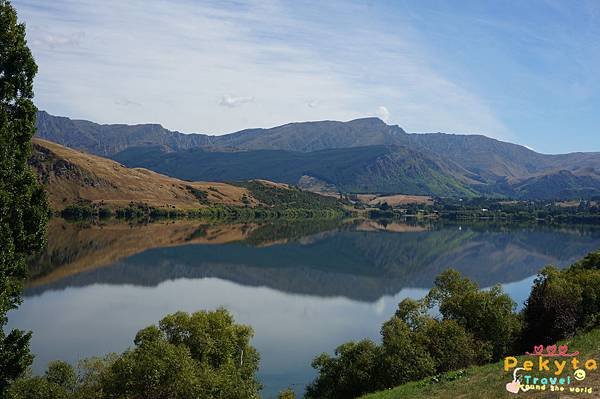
x=489 y=381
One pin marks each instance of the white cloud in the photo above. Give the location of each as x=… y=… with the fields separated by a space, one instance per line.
x=232 y=102
x=174 y=58
x=54 y=40
x=383 y=113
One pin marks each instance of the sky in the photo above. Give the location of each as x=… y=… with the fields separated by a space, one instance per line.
x=519 y=71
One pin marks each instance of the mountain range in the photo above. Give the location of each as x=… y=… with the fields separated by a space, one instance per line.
x=360 y=156
x=73 y=177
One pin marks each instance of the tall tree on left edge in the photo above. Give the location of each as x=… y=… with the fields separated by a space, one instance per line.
x=23 y=204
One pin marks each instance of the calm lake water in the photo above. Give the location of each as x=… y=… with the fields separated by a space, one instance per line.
x=305 y=288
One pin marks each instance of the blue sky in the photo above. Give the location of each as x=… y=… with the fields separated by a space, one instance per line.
x=521 y=71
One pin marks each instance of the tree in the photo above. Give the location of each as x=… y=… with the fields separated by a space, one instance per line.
x=202 y=355
x=352 y=372
x=286 y=394
x=23 y=205
x=486 y=314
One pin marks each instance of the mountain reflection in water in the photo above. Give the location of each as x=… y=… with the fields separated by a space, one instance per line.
x=304 y=287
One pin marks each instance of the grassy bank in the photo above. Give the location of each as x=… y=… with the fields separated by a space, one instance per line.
x=489 y=381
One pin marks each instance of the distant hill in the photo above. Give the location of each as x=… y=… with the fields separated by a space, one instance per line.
x=106 y=140
x=361 y=156
x=71 y=177
x=386 y=169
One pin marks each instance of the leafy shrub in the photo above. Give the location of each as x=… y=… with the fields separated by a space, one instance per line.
x=351 y=372
x=563 y=302
x=487 y=314
x=197 y=356
x=286 y=394
x=475 y=326
x=550 y=312
x=449 y=345
x=62 y=374
x=404 y=356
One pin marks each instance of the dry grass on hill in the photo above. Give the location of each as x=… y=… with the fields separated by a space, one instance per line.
x=71 y=176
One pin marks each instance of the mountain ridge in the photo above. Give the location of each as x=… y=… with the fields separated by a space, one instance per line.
x=438 y=164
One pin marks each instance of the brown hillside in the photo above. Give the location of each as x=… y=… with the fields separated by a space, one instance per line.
x=71 y=176
x=84 y=249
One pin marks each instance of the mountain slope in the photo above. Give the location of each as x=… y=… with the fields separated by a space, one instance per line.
x=384 y=169
x=109 y=139
x=428 y=163
x=315 y=136
x=70 y=177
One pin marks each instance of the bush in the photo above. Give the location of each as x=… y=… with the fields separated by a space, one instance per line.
x=563 y=302
x=202 y=355
x=450 y=346
x=286 y=394
x=404 y=355
x=62 y=374
x=351 y=372
x=476 y=325
x=550 y=312
x=487 y=314
x=36 y=388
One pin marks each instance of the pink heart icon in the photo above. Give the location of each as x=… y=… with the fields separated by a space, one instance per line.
x=513 y=387
x=563 y=349
x=551 y=349
x=538 y=349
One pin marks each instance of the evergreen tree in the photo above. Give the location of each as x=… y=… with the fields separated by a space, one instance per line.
x=23 y=205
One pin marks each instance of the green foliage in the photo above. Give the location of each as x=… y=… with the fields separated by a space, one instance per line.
x=546 y=211
x=404 y=355
x=290 y=197
x=286 y=394
x=36 y=388
x=351 y=372
x=475 y=326
x=23 y=208
x=204 y=355
x=487 y=314
x=563 y=302
x=61 y=381
x=153 y=369
x=200 y=195
x=450 y=346
x=61 y=374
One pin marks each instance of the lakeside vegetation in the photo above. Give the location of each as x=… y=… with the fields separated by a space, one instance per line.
x=487 y=381
x=223 y=213
x=274 y=202
x=502 y=210
x=425 y=351
x=475 y=327
x=202 y=355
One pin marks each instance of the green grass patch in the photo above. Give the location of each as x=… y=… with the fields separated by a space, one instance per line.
x=489 y=381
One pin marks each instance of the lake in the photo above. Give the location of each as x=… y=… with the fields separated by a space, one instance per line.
x=304 y=287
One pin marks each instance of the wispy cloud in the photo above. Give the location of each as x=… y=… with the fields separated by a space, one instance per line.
x=232 y=102
x=53 y=40
x=176 y=59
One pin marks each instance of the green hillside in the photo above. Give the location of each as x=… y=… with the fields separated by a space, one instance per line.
x=382 y=169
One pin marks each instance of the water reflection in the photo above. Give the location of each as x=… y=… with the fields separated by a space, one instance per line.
x=305 y=288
